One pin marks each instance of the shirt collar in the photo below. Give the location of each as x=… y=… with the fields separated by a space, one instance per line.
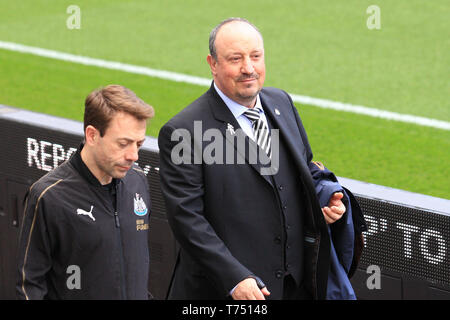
x=237 y=109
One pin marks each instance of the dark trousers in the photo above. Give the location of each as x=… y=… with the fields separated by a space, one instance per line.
x=291 y=291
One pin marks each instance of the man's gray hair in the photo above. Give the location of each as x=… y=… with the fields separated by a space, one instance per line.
x=213 y=34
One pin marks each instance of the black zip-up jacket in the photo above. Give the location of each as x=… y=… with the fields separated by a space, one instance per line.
x=82 y=240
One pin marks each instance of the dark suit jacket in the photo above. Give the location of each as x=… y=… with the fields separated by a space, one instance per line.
x=222 y=215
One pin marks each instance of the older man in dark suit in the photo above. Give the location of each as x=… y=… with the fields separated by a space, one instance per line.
x=244 y=232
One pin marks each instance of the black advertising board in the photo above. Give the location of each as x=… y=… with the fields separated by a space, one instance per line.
x=407 y=241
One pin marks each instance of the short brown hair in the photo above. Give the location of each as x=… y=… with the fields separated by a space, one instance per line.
x=103 y=103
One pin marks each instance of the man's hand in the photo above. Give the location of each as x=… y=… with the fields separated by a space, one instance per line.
x=335 y=209
x=247 y=289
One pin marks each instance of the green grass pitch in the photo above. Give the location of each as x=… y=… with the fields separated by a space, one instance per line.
x=316 y=48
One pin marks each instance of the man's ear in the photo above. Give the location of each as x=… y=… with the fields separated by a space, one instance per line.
x=91 y=135
x=212 y=64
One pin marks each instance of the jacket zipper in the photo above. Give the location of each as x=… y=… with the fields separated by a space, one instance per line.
x=119 y=242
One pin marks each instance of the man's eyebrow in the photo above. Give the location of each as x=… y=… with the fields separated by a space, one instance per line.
x=234 y=53
x=130 y=140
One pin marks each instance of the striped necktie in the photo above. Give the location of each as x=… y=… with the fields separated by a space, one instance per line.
x=260 y=129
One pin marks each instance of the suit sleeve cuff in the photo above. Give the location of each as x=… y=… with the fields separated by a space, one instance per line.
x=258 y=280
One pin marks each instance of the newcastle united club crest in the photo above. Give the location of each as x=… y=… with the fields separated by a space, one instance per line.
x=139 y=205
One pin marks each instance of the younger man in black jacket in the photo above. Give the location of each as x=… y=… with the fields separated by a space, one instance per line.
x=84 y=234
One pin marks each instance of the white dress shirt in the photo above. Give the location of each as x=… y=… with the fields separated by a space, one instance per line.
x=238 y=112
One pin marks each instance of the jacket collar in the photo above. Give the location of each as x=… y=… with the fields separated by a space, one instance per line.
x=224 y=115
x=77 y=162
x=219 y=109
x=283 y=119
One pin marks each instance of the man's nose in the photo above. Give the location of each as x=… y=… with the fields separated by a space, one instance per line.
x=247 y=66
x=132 y=153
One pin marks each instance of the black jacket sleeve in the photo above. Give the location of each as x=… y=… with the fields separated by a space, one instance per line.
x=34 y=259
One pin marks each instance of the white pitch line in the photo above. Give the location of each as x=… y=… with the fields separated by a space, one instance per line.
x=372 y=112
x=179 y=77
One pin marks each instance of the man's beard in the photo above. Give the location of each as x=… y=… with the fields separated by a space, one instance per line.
x=243 y=77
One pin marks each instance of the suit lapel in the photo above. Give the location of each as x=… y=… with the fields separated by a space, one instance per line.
x=227 y=125
x=285 y=123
